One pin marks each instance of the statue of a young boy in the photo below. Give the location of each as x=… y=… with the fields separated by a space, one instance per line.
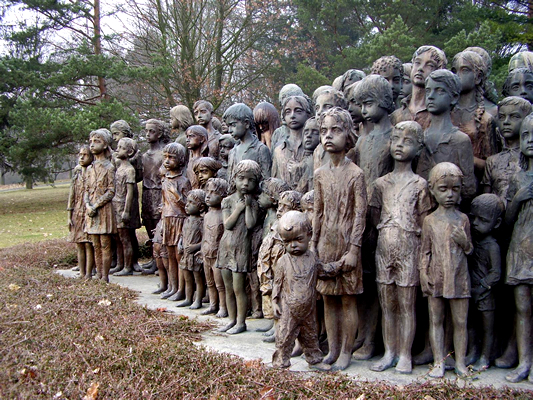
x=390 y=68
x=294 y=293
x=399 y=203
x=203 y=111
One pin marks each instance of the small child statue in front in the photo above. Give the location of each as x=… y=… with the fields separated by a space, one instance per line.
x=399 y=203
x=294 y=294
x=191 y=263
x=486 y=212
x=216 y=189
x=444 y=276
x=76 y=214
x=126 y=204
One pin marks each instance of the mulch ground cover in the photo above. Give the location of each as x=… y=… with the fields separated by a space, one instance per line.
x=69 y=339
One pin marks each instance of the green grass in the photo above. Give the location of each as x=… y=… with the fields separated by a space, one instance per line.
x=33 y=215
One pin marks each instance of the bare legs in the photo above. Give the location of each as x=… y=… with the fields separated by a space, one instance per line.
x=236 y=301
x=522 y=295
x=341 y=323
x=459 y=311
x=176 y=288
x=85 y=259
x=398 y=305
x=124 y=252
x=102 y=255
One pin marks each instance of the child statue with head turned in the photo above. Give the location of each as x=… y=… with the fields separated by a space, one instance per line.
x=180 y=120
x=266 y=120
x=203 y=111
x=390 y=68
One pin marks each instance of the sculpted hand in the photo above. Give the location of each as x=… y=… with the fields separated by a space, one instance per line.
x=524 y=194
x=459 y=237
x=91 y=211
x=424 y=283
x=350 y=259
x=248 y=199
x=241 y=205
x=276 y=310
x=189 y=249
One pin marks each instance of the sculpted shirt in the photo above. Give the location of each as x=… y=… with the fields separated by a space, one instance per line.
x=284 y=163
x=499 y=169
x=423 y=117
x=256 y=151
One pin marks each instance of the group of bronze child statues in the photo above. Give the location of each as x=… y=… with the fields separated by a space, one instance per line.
x=408 y=191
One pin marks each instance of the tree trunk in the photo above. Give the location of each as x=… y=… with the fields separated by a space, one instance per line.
x=98 y=47
x=29 y=183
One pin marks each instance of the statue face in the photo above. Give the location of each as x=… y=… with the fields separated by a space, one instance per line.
x=354 y=108
x=403 y=145
x=294 y=115
x=371 y=110
x=122 y=150
x=203 y=174
x=522 y=85
x=393 y=76
x=194 y=140
x=237 y=128
x=481 y=222
x=212 y=198
x=526 y=139
x=174 y=123
x=117 y=135
x=323 y=103
x=296 y=241
x=245 y=182
x=152 y=133
x=423 y=65
x=84 y=157
x=509 y=121
x=265 y=201
x=97 y=145
x=447 y=191
x=224 y=149
x=192 y=207
x=438 y=97
x=284 y=206
x=332 y=135
x=202 y=114
x=465 y=71
x=171 y=161
x=311 y=136
x=407 y=86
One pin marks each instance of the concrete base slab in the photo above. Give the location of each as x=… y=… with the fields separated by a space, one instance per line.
x=249 y=344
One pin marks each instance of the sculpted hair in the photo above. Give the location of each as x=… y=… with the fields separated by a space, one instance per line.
x=338 y=97
x=524 y=59
x=183 y=115
x=177 y=149
x=413 y=128
x=489 y=204
x=522 y=104
x=293 y=197
x=227 y=137
x=344 y=118
x=485 y=57
x=294 y=220
x=319 y=90
x=247 y=166
x=303 y=101
x=512 y=75
x=106 y=136
x=443 y=170
x=240 y=112
x=198 y=195
x=204 y=103
x=377 y=88
x=386 y=62
x=219 y=185
x=274 y=187
x=289 y=90
x=308 y=198
x=130 y=143
x=208 y=162
x=122 y=126
x=162 y=127
x=201 y=131
x=436 y=54
x=407 y=69
x=452 y=81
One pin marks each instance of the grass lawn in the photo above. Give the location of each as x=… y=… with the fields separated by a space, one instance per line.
x=33 y=215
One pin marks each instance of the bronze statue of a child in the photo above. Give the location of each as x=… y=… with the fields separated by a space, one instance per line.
x=197 y=145
x=390 y=68
x=486 y=213
x=226 y=143
x=338 y=225
x=444 y=276
x=294 y=293
x=191 y=263
x=400 y=201
x=180 y=120
x=266 y=120
x=519 y=82
x=205 y=168
x=216 y=189
x=203 y=111
x=77 y=214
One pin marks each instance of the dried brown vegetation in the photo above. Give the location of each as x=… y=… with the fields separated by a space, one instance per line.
x=65 y=338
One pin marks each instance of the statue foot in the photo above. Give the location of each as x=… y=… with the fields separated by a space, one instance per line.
x=118 y=268
x=365 y=352
x=167 y=294
x=404 y=366
x=437 y=370
x=196 y=305
x=210 y=310
x=124 y=272
x=518 y=374
x=257 y=315
x=386 y=362
x=471 y=357
x=461 y=370
x=271 y=331
x=269 y=339
x=507 y=360
x=76 y=268
x=205 y=300
x=267 y=327
x=342 y=362
x=330 y=358
x=358 y=344
x=481 y=364
x=320 y=367
x=137 y=267
x=425 y=357
x=222 y=313
x=178 y=295
x=297 y=350
x=185 y=303
x=227 y=327
x=237 y=329
x=160 y=290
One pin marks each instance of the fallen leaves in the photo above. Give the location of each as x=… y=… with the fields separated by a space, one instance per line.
x=92 y=392
x=104 y=302
x=13 y=287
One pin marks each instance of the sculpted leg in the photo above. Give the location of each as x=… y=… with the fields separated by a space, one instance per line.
x=436 y=335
